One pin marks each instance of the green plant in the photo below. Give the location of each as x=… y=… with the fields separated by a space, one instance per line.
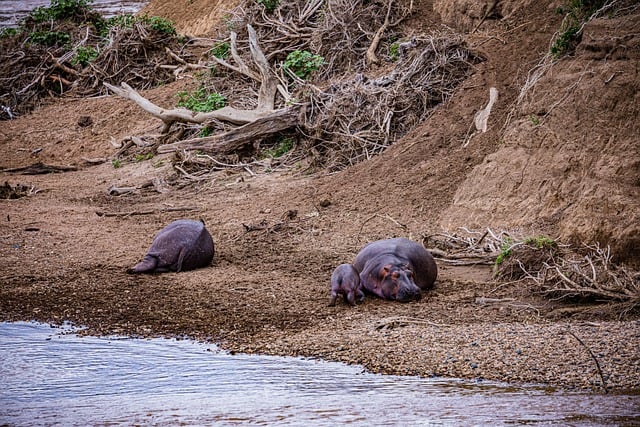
x=116 y=163
x=505 y=251
x=540 y=242
x=220 y=50
x=205 y=131
x=534 y=119
x=576 y=13
x=161 y=25
x=199 y=100
x=8 y=32
x=141 y=157
x=394 y=51
x=59 y=9
x=284 y=146
x=269 y=5
x=84 y=55
x=303 y=63
x=49 y=38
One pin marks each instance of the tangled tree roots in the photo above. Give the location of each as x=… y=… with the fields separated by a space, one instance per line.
x=561 y=272
x=554 y=270
x=358 y=118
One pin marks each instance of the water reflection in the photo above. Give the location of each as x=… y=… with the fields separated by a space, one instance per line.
x=52 y=378
x=11 y=11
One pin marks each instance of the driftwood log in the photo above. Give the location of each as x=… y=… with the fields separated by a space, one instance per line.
x=262 y=121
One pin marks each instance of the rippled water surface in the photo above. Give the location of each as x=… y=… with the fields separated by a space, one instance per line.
x=49 y=376
x=11 y=11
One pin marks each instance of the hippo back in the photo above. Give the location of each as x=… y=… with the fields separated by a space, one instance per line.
x=415 y=255
x=182 y=245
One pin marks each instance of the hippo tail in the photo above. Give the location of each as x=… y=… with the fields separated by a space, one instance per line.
x=147 y=265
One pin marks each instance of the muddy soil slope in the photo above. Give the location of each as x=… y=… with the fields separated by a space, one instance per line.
x=563 y=162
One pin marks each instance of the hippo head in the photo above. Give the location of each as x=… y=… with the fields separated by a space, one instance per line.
x=396 y=282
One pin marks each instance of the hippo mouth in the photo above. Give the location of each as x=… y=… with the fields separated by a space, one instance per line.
x=409 y=295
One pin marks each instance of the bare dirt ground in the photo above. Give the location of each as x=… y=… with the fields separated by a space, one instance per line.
x=65 y=247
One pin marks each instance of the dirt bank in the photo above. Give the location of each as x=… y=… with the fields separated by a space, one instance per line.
x=564 y=162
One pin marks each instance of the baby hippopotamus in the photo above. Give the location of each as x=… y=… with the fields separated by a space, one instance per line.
x=180 y=246
x=345 y=281
x=396 y=269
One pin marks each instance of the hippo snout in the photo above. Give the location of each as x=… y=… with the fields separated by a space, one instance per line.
x=409 y=294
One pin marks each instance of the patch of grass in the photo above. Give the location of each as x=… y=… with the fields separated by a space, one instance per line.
x=303 y=63
x=116 y=163
x=142 y=157
x=201 y=101
x=540 y=242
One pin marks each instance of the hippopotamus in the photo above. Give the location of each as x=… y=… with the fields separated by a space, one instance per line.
x=345 y=281
x=180 y=246
x=396 y=269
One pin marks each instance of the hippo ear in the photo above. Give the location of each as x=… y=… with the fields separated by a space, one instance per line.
x=384 y=271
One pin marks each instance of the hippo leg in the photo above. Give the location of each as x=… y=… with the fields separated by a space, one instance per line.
x=350 y=297
x=334 y=296
x=180 y=261
x=147 y=265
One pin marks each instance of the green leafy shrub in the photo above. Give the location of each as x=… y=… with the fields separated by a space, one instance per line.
x=49 y=38
x=576 y=13
x=59 y=9
x=8 y=32
x=201 y=101
x=161 y=25
x=84 y=55
x=303 y=63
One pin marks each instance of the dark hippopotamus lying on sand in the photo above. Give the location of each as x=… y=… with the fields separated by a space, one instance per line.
x=396 y=269
x=180 y=246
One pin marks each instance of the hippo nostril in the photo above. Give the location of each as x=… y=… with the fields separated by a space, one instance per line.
x=409 y=295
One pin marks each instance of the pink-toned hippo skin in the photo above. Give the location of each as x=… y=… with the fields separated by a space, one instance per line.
x=345 y=281
x=396 y=269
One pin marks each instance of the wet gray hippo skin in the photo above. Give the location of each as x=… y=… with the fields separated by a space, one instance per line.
x=180 y=246
x=396 y=269
x=346 y=281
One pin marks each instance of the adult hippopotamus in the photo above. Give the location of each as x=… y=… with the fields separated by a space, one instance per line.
x=345 y=281
x=396 y=269
x=180 y=246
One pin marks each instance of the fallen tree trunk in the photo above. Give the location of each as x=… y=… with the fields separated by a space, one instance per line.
x=230 y=141
x=225 y=114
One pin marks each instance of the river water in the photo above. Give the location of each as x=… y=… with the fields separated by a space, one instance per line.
x=52 y=377
x=11 y=11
